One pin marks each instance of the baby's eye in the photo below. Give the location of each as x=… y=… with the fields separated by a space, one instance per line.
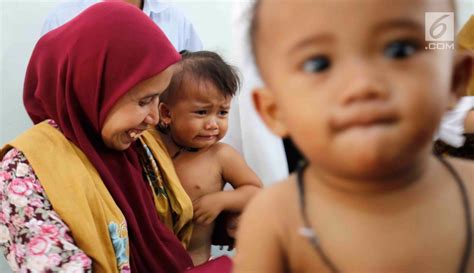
x=316 y=64
x=200 y=112
x=400 y=49
x=223 y=113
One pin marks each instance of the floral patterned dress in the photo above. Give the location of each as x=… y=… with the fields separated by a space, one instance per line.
x=32 y=235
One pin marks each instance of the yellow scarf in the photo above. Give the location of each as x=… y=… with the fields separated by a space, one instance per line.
x=176 y=197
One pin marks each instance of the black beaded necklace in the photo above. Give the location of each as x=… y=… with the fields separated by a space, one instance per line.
x=308 y=231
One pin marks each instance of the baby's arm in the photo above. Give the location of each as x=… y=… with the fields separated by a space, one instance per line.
x=244 y=181
x=259 y=246
x=235 y=171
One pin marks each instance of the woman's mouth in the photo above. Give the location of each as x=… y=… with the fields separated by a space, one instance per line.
x=134 y=133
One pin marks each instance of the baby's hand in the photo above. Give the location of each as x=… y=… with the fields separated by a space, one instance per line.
x=206 y=208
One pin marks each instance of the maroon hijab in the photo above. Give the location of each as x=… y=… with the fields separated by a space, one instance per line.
x=76 y=74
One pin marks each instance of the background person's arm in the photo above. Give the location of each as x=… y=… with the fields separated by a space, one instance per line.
x=457 y=122
x=469 y=122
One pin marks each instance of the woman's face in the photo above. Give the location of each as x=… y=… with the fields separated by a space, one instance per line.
x=135 y=111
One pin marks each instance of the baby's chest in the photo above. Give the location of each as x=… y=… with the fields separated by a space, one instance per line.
x=199 y=178
x=381 y=250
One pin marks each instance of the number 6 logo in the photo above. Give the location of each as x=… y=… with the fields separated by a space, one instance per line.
x=439 y=26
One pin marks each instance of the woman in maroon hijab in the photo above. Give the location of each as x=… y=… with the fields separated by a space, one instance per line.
x=81 y=191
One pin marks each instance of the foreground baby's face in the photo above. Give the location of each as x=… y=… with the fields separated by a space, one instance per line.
x=353 y=83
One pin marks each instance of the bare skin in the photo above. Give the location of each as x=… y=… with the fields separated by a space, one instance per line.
x=136 y=3
x=203 y=175
x=469 y=123
x=360 y=232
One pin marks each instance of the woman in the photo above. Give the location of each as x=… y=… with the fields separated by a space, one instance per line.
x=80 y=191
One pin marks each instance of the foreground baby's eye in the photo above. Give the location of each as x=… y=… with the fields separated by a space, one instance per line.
x=316 y=64
x=400 y=49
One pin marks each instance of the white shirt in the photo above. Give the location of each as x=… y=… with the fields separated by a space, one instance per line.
x=452 y=125
x=169 y=18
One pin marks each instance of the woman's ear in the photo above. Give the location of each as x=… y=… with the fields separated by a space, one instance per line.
x=165 y=113
x=265 y=103
x=462 y=74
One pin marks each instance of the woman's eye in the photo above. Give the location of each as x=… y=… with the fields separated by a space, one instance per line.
x=145 y=102
x=316 y=64
x=400 y=49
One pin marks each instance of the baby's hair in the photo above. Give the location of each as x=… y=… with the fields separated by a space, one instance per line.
x=202 y=66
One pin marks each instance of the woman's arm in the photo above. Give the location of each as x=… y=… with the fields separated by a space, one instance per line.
x=32 y=235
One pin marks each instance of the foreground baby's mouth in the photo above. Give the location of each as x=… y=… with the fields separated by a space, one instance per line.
x=365 y=118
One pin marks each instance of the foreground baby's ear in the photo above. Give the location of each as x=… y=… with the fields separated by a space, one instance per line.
x=268 y=109
x=462 y=73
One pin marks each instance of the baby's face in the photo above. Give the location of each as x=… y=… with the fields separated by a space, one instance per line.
x=200 y=118
x=351 y=81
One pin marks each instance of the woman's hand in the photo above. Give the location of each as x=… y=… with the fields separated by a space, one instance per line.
x=207 y=208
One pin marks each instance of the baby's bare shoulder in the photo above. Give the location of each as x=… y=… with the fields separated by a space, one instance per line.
x=280 y=196
x=222 y=148
x=224 y=152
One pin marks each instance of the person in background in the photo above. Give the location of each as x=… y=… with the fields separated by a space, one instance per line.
x=193 y=119
x=352 y=84
x=87 y=188
x=456 y=133
x=170 y=19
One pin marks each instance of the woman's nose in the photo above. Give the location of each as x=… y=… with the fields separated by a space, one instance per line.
x=153 y=116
